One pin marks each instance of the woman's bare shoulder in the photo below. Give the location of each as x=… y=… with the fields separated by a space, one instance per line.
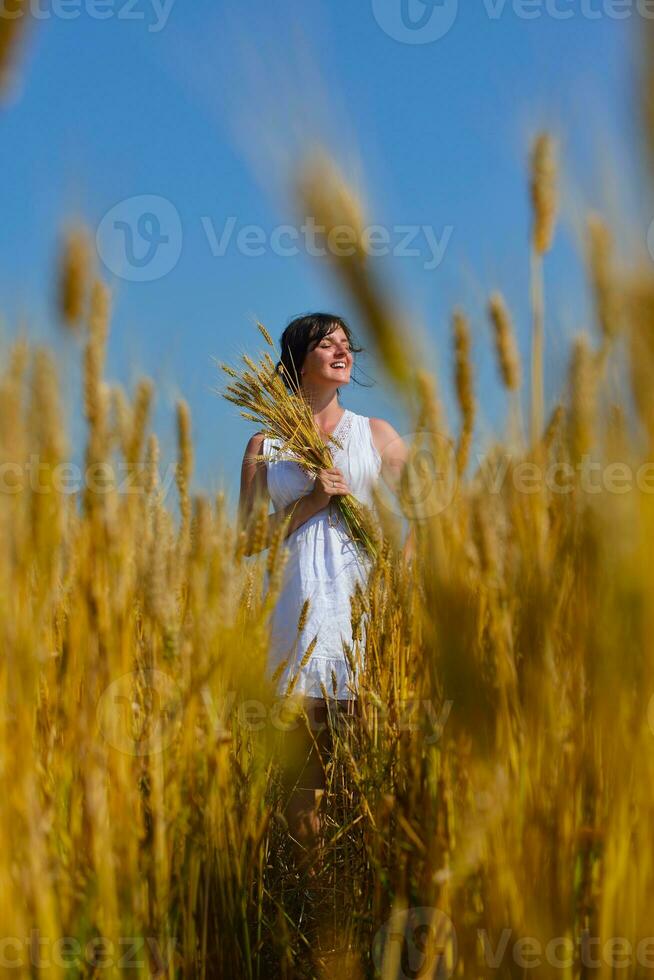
x=382 y=426
x=382 y=432
x=254 y=444
x=254 y=479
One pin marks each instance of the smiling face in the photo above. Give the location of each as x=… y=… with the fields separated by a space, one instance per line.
x=330 y=361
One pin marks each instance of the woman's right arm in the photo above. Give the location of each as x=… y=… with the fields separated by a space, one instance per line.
x=254 y=491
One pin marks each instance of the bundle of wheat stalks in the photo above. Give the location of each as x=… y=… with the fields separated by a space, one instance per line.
x=490 y=812
x=286 y=416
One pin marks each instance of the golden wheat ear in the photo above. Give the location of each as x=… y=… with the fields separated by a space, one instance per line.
x=506 y=349
x=279 y=670
x=14 y=21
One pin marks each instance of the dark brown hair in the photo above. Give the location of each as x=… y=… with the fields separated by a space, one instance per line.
x=303 y=334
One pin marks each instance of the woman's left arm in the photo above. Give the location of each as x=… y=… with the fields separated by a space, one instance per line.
x=394 y=455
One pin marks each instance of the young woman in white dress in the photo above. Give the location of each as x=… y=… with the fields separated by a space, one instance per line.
x=324 y=564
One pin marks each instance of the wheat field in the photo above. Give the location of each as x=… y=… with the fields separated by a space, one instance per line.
x=490 y=814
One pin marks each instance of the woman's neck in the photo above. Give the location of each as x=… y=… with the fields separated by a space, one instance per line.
x=326 y=411
x=327 y=425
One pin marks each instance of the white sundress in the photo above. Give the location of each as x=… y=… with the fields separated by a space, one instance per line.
x=323 y=565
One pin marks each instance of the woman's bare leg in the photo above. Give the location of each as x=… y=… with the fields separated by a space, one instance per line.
x=311 y=748
x=306 y=758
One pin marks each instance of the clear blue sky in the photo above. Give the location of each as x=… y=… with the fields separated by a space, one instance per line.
x=207 y=107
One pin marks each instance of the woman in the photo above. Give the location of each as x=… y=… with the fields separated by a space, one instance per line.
x=324 y=564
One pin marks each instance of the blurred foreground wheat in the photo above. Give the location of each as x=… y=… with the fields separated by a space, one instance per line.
x=501 y=775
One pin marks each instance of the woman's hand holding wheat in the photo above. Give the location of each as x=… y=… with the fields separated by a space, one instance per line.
x=329 y=483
